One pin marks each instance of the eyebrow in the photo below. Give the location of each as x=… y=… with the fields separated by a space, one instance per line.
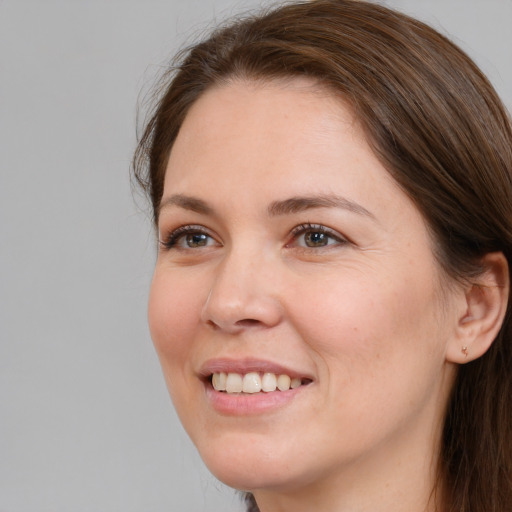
x=300 y=204
x=276 y=208
x=186 y=202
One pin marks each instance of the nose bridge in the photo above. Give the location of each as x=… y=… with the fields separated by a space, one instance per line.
x=243 y=292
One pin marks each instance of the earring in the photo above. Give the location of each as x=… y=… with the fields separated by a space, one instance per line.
x=464 y=350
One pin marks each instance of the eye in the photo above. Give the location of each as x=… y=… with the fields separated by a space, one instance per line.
x=188 y=237
x=313 y=236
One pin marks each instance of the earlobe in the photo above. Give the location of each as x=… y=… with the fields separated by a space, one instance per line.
x=485 y=306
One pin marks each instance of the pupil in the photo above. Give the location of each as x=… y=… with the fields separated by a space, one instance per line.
x=196 y=240
x=316 y=239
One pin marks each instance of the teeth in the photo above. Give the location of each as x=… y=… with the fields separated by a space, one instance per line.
x=253 y=382
x=283 y=382
x=268 y=382
x=295 y=383
x=219 y=381
x=234 y=383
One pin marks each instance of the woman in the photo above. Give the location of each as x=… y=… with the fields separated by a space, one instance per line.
x=331 y=184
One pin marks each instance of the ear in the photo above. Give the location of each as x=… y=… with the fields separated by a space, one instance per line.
x=484 y=309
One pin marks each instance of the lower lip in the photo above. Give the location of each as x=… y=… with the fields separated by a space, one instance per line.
x=250 y=404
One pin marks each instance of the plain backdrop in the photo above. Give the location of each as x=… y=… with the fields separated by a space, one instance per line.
x=85 y=421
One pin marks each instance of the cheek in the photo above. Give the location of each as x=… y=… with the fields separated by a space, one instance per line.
x=173 y=315
x=380 y=358
x=366 y=331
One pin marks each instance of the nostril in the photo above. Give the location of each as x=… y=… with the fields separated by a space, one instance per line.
x=248 y=322
x=237 y=326
x=212 y=324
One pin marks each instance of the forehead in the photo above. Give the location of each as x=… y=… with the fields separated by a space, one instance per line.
x=267 y=130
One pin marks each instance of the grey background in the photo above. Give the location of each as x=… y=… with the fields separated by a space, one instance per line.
x=85 y=420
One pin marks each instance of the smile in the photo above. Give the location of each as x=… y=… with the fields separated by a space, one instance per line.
x=251 y=386
x=254 y=382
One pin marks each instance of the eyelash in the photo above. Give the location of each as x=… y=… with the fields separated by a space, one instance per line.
x=302 y=229
x=171 y=241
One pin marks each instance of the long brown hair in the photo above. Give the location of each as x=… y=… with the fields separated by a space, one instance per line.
x=440 y=130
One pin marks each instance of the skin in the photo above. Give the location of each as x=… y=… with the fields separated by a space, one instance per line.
x=368 y=317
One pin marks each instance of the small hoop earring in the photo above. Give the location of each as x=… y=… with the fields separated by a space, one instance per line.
x=464 y=350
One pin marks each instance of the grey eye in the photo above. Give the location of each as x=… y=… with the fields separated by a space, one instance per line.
x=316 y=239
x=196 y=240
x=312 y=236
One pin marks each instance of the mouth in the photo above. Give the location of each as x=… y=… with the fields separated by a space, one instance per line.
x=251 y=386
x=255 y=382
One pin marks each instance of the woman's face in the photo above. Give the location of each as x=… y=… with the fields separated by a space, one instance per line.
x=287 y=249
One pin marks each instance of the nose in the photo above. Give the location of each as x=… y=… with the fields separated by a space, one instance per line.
x=243 y=294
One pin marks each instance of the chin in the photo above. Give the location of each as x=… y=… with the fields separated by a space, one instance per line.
x=249 y=478
x=244 y=461
x=240 y=478
x=248 y=462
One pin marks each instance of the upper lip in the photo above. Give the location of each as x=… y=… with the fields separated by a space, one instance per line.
x=246 y=365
